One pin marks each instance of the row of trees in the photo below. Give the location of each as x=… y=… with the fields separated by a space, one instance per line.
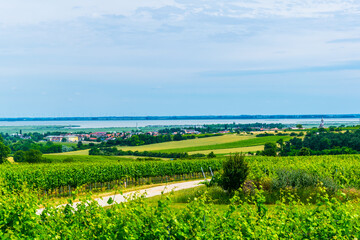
x=316 y=143
x=116 y=152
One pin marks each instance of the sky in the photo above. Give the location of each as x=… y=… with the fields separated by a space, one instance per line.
x=179 y=57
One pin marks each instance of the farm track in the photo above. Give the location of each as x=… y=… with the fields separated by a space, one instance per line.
x=150 y=192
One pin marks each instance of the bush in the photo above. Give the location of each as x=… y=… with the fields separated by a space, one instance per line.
x=20 y=156
x=299 y=178
x=270 y=149
x=304 y=152
x=33 y=156
x=211 y=155
x=4 y=152
x=235 y=172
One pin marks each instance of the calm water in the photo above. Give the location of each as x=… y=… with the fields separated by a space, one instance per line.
x=144 y=123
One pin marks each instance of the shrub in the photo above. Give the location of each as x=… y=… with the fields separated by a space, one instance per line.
x=211 y=155
x=4 y=152
x=20 y=156
x=270 y=149
x=299 y=178
x=33 y=156
x=235 y=172
x=304 y=152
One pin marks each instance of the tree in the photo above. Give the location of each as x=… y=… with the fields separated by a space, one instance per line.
x=270 y=149
x=281 y=143
x=95 y=151
x=63 y=139
x=211 y=155
x=235 y=172
x=4 y=152
x=20 y=156
x=80 y=145
x=33 y=156
x=299 y=126
x=178 y=137
x=304 y=152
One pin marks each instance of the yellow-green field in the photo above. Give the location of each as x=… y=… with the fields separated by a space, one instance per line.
x=190 y=143
x=225 y=144
x=232 y=150
x=80 y=152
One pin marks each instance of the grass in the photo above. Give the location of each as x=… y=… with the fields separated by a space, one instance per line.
x=199 y=142
x=236 y=144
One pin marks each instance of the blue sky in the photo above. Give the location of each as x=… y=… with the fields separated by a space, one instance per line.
x=178 y=57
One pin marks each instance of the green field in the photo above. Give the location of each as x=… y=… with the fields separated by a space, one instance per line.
x=80 y=152
x=198 y=142
x=87 y=158
x=225 y=144
x=222 y=144
x=230 y=145
x=231 y=150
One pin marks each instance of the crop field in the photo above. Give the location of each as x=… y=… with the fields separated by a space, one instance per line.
x=198 y=142
x=231 y=150
x=224 y=144
x=321 y=215
x=91 y=158
x=84 y=158
x=250 y=142
x=80 y=152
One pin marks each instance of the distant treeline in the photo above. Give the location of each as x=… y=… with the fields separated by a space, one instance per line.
x=323 y=142
x=116 y=152
x=144 y=139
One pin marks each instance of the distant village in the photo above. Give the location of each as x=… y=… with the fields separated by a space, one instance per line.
x=205 y=129
x=106 y=136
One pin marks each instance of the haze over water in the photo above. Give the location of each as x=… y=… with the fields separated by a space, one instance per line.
x=144 y=123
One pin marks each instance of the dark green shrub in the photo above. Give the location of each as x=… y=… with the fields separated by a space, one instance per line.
x=235 y=172
x=33 y=156
x=270 y=149
x=304 y=152
x=20 y=156
x=299 y=178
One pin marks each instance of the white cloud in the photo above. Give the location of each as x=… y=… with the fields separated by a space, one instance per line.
x=23 y=12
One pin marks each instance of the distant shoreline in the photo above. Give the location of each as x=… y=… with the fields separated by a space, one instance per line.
x=206 y=117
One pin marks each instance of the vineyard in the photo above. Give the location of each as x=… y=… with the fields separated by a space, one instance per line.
x=54 y=176
x=245 y=216
x=102 y=171
x=328 y=219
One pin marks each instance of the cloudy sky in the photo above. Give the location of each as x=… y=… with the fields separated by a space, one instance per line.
x=178 y=57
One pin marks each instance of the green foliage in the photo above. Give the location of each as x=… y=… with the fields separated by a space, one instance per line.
x=235 y=172
x=136 y=219
x=270 y=149
x=55 y=175
x=299 y=178
x=211 y=155
x=238 y=144
x=33 y=156
x=4 y=152
x=304 y=152
x=20 y=156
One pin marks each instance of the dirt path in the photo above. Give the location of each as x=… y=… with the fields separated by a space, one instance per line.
x=150 y=192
